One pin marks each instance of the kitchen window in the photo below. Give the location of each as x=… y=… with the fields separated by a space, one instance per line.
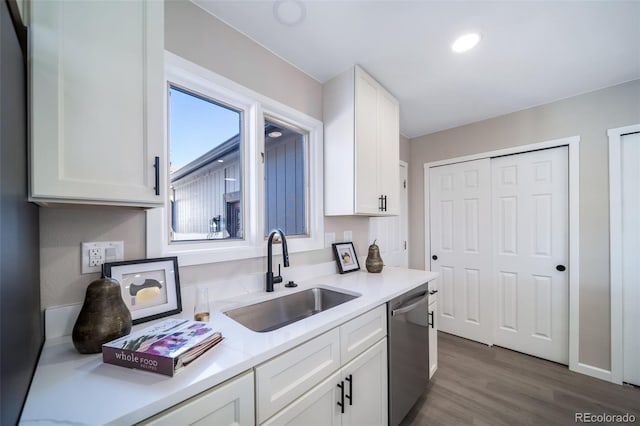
x=285 y=166
x=239 y=165
x=205 y=169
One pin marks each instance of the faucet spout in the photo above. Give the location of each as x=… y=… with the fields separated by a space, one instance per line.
x=271 y=279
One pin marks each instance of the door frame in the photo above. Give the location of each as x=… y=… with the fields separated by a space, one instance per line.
x=573 y=143
x=615 y=248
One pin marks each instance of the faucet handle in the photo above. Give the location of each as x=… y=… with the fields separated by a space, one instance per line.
x=277 y=279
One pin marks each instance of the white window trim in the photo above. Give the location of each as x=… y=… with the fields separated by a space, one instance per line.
x=194 y=77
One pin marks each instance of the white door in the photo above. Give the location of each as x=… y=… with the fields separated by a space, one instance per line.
x=460 y=229
x=630 y=155
x=530 y=252
x=390 y=232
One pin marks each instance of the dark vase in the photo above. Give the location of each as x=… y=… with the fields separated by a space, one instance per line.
x=374 y=261
x=103 y=317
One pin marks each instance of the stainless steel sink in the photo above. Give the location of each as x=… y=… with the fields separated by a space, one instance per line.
x=275 y=313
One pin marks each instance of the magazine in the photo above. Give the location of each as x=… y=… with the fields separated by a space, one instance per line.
x=162 y=348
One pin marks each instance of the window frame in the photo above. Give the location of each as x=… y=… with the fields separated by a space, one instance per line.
x=194 y=78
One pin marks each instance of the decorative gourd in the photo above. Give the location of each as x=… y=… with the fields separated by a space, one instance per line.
x=103 y=317
x=374 y=261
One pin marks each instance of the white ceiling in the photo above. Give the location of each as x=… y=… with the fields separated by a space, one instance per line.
x=531 y=53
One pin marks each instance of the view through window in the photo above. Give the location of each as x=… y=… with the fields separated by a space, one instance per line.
x=285 y=173
x=205 y=144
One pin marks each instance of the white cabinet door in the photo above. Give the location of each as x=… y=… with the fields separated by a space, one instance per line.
x=316 y=407
x=366 y=145
x=433 y=337
x=230 y=403
x=365 y=387
x=530 y=234
x=96 y=86
x=362 y=146
x=388 y=152
x=460 y=228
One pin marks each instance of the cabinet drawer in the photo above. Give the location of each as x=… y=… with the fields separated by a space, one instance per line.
x=230 y=403
x=362 y=332
x=283 y=379
x=315 y=408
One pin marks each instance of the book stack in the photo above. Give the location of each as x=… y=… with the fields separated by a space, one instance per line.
x=163 y=348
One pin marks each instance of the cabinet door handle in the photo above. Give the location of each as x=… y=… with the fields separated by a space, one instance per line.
x=341 y=402
x=384 y=198
x=350 y=395
x=380 y=206
x=156 y=165
x=431 y=322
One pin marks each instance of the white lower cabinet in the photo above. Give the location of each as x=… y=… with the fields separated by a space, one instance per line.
x=433 y=334
x=230 y=403
x=356 y=395
x=338 y=378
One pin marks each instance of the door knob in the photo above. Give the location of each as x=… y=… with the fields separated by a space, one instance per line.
x=434 y=257
x=560 y=268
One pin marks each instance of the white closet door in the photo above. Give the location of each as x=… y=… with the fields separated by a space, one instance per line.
x=530 y=235
x=460 y=228
x=630 y=154
x=390 y=232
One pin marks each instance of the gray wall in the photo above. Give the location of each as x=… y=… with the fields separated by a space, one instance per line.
x=588 y=116
x=21 y=331
x=199 y=37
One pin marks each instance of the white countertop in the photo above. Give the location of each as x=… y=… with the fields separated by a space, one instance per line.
x=70 y=388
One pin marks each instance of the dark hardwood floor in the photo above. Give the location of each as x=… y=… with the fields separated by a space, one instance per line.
x=480 y=385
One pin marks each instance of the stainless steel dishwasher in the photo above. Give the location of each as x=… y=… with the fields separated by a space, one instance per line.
x=408 y=350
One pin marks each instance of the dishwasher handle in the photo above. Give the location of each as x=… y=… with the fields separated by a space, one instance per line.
x=403 y=310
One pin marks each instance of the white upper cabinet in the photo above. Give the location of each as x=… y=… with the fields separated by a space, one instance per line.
x=362 y=146
x=96 y=85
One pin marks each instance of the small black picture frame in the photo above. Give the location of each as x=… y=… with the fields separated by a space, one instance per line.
x=150 y=287
x=345 y=254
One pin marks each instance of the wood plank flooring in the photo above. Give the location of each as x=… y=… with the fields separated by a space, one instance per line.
x=480 y=385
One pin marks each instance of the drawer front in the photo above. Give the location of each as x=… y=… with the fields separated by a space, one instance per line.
x=362 y=332
x=283 y=379
x=230 y=403
x=318 y=407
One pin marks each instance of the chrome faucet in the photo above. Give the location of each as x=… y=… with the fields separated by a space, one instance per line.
x=271 y=280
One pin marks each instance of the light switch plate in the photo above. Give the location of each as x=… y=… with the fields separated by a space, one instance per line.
x=94 y=254
x=347 y=236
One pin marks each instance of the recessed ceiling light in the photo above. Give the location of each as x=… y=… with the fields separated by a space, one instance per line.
x=289 y=12
x=274 y=134
x=220 y=161
x=465 y=42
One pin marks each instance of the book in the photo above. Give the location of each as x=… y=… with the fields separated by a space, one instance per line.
x=162 y=348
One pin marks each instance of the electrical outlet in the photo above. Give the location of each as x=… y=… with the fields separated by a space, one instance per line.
x=329 y=238
x=94 y=254
x=347 y=236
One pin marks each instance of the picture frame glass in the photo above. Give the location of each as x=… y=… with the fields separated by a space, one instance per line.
x=150 y=288
x=345 y=255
